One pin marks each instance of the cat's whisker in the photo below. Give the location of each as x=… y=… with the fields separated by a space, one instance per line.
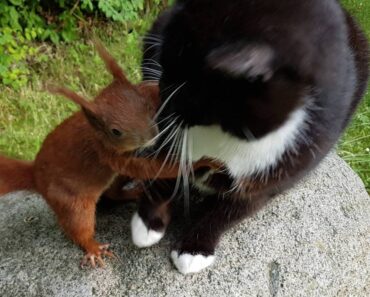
x=148 y=39
x=167 y=100
x=152 y=43
x=190 y=156
x=151 y=62
x=164 y=119
x=163 y=131
x=171 y=135
x=151 y=47
x=185 y=172
x=174 y=132
x=152 y=79
x=153 y=34
x=151 y=37
x=152 y=66
x=178 y=179
x=168 y=88
x=177 y=147
x=151 y=70
x=152 y=75
x=173 y=147
x=232 y=189
x=162 y=122
x=167 y=157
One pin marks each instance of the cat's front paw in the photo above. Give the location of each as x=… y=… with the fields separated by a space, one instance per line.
x=188 y=263
x=142 y=236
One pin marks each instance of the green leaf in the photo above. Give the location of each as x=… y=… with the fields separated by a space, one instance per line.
x=69 y=35
x=87 y=4
x=54 y=37
x=16 y=2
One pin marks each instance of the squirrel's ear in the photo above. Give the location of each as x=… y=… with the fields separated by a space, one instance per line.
x=110 y=63
x=150 y=90
x=87 y=107
x=249 y=60
x=73 y=96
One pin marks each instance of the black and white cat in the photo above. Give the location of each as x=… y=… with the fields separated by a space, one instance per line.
x=265 y=87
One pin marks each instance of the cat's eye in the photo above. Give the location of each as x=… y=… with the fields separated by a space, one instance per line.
x=116 y=133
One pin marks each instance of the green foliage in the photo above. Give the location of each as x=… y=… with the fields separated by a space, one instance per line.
x=355 y=145
x=24 y=21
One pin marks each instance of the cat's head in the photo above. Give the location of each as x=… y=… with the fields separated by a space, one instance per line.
x=235 y=86
x=213 y=73
x=122 y=113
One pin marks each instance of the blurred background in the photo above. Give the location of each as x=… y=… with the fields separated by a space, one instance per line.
x=50 y=41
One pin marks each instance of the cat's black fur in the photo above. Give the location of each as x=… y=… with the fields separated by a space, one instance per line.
x=247 y=65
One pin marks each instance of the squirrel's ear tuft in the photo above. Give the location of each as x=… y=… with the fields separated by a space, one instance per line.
x=248 y=60
x=110 y=63
x=71 y=95
x=87 y=107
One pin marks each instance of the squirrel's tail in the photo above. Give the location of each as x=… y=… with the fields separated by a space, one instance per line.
x=15 y=175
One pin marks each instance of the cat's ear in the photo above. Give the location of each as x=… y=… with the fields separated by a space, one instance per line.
x=88 y=107
x=110 y=63
x=251 y=60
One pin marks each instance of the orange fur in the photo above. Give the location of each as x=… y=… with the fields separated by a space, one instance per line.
x=15 y=175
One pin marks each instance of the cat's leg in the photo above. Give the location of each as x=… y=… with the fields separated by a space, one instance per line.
x=123 y=190
x=196 y=249
x=149 y=223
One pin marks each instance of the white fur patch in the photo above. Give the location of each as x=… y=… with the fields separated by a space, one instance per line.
x=200 y=183
x=186 y=263
x=141 y=235
x=245 y=158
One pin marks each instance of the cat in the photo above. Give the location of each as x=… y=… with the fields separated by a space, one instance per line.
x=264 y=87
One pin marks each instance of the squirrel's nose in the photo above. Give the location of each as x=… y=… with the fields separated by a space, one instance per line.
x=152 y=136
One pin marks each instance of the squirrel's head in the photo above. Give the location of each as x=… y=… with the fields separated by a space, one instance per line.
x=122 y=113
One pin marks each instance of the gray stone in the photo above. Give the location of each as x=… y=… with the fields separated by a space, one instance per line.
x=312 y=241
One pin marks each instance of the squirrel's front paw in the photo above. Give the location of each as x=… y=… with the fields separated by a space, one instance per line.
x=94 y=255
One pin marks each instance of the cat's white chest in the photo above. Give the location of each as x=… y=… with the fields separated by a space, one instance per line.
x=245 y=158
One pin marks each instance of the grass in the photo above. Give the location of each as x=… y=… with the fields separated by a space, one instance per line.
x=354 y=146
x=28 y=115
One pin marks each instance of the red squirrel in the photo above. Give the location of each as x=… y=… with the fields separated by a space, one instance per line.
x=79 y=160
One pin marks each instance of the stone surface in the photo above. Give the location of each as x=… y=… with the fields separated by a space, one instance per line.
x=312 y=241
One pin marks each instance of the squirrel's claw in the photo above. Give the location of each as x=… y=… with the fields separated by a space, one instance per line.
x=95 y=258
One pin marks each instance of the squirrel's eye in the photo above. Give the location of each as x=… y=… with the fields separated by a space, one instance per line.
x=116 y=132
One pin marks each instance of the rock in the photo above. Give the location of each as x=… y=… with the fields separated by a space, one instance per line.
x=312 y=241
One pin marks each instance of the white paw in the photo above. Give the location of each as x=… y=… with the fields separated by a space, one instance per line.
x=186 y=263
x=141 y=235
